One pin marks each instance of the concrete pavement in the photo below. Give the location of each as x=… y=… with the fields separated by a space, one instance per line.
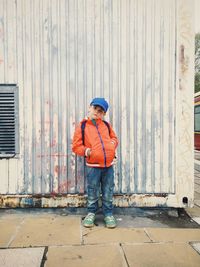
x=41 y=238
x=143 y=238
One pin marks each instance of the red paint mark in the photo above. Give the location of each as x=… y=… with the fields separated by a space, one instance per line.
x=62 y=188
x=60 y=170
x=53 y=143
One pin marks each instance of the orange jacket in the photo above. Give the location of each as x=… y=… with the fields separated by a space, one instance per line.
x=98 y=139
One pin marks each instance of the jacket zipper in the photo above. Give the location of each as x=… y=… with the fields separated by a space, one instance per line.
x=104 y=152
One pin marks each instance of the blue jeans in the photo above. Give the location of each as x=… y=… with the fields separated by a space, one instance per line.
x=100 y=178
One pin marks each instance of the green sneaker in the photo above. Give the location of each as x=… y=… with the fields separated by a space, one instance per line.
x=89 y=220
x=110 y=221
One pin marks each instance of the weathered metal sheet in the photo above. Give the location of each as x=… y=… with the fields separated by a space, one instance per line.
x=185 y=103
x=137 y=54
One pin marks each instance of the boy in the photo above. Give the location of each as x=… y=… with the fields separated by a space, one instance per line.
x=97 y=141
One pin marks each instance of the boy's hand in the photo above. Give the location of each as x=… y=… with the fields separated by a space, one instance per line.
x=87 y=152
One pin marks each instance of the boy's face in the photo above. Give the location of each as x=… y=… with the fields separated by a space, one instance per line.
x=96 y=112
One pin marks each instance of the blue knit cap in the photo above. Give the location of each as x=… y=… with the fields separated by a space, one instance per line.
x=100 y=101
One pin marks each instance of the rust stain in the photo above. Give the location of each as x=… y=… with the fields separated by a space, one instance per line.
x=9 y=202
x=56 y=169
x=41 y=201
x=184 y=60
x=182 y=56
x=56 y=199
x=49 y=103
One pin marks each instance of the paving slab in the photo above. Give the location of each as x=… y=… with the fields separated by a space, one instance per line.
x=86 y=256
x=98 y=235
x=31 y=257
x=8 y=228
x=161 y=255
x=196 y=246
x=197 y=202
x=196 y=219
x=173 y=235
x=196 y=196
x=54 y=230
x=193 y=212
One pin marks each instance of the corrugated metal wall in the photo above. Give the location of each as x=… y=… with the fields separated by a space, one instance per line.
x=61 y=54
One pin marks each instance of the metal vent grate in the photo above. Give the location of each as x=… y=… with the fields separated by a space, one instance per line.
x=7 y=121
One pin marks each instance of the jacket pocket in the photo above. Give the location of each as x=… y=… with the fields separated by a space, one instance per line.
x=95 y=157
x=110 y=151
